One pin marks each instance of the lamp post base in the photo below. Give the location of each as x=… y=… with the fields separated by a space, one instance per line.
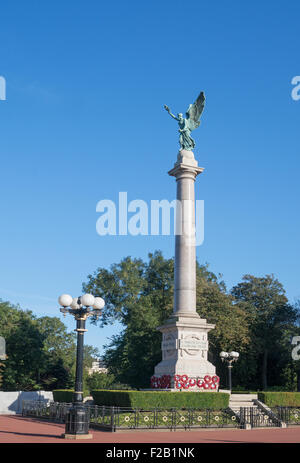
x=77 y=422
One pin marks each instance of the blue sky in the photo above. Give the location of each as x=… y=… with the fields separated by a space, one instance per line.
x=84 y=120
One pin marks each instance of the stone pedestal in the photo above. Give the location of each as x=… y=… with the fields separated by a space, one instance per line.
x=184 y=341
x=185 y=348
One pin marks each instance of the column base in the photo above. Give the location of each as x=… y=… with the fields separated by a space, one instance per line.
x=185 y=347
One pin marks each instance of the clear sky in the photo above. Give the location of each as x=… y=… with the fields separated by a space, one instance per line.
x=83 y=120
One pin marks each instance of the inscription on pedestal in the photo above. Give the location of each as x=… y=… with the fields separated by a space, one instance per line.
x=193 y=344
x=184 y=344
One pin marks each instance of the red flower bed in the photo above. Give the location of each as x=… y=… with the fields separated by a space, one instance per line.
x=184 y=382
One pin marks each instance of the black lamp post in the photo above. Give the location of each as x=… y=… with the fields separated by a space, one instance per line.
x=77 y=419
x=229 y=357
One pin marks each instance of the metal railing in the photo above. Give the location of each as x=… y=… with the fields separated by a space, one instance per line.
x=128 y=418
x=257 y=418
x=54 y=411
x=289 y=415
x=113 y=418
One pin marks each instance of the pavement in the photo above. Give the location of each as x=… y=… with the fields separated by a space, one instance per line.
x=17 y=429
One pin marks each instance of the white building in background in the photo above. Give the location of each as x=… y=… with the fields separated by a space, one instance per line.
x=97 y=367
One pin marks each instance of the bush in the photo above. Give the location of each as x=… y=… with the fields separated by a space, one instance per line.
x=99 y=380
x=65 y=395
x=149 y=400
x=277 y=389
x=281 y=399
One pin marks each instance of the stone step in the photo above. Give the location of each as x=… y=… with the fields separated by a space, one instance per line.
x=238 y=401
x=244 y=405
x=243 y=397
x=259 y=413
x=242 y=402
x=233 y=407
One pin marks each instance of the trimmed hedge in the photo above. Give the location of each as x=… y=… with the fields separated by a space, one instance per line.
x=283 y=399
x=155 y=399
x=66 y=395
x=63 y=395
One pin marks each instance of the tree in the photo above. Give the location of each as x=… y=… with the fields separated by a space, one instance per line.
x=140 y=295
x=231 y=321
x=41 y=353
x=25 y=357
x=267 y=305
x=59 y=349
x=99 y=380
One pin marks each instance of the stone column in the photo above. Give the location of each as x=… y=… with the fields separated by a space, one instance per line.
x=185 y=170
x=184 y=334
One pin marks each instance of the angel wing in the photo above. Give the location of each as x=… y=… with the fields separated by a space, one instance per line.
x=195 y=110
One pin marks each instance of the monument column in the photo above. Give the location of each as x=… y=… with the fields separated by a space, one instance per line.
x=185 y=334
x=185 y=171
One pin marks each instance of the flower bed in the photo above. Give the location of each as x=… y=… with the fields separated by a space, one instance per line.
x=185 y=382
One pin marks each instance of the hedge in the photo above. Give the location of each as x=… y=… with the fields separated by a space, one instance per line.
x=283 y=399
x=63 y=395
x=155 y=399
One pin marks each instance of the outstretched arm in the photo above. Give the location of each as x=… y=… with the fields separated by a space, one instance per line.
x=168 y=110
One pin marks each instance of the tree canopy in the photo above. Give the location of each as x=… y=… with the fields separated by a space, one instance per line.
x=40 y=352
x=253 y=318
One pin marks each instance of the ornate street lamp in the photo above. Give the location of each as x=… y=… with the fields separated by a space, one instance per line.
x=77 y=419
x=229 y=357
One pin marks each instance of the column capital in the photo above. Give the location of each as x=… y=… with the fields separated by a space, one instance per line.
x=185 y=170
x=186 y=166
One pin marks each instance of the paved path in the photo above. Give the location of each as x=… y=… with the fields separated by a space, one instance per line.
x=16 y=429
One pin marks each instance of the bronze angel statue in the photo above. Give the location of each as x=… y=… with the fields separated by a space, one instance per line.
x=189 y=123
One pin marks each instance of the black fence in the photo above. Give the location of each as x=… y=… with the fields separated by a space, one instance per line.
x=126 y=418
x=289 y=415
x=258 y=418
x=114 y=418
x=54 y=411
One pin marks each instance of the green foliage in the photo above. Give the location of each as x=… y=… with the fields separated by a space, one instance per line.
x=231 y=330
x=40 y=353
x=149 y=400
x=278 y=389
x=139 y=295
x=98 y=380
x=63 y=395
x=283 y=399
x=270 y=316
x=254 y=318
x=24 y=345
x=59 y=354
x=66 y=395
